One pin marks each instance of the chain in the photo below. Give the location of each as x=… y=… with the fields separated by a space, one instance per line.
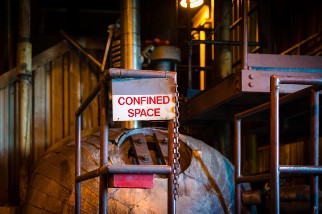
x=176 y=161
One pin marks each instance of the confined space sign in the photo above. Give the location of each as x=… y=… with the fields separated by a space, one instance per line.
x=143 y=99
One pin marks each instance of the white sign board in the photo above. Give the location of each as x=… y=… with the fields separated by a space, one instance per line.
x=143 y=99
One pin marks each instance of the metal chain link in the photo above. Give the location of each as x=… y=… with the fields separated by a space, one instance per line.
x=176 y=161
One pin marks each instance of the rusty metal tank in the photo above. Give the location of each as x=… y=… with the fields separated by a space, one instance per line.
x=206 y=179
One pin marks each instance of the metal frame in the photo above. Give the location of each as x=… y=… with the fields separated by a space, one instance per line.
x=253 y=78
x=278 y=170
x=104 y=169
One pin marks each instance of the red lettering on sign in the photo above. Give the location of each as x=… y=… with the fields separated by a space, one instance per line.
x=121 y=99
x=136 y=100
x=151 y=112
x=144 y=100
x=136 y=112
x=157 y=112
x=159 y=99
x=166 y=99
x=128 y=100
x=151 y=100
x=130 y=112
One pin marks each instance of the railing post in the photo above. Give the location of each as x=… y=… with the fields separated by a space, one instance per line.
x=171 y=199
x=245 y=35
x=314 y=150
x=237 y=164
x=274 y=143
x=104 y=122
x=78 y=163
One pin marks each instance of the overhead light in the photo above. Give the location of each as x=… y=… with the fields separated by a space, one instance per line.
x=193 y=3
x=201 y=17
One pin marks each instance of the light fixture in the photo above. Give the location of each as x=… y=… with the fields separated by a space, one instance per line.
x=201 y=17
x=193 y=3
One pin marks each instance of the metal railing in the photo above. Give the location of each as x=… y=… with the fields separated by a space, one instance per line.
x=296 y=49
x=242 y=40
x=105 y=169
x=276 y=170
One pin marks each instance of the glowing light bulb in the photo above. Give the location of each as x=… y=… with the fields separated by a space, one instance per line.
x=193 y=3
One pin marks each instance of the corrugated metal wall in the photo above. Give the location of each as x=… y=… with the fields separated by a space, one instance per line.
x=7 y=139
x=59 y=86
x=61 y=80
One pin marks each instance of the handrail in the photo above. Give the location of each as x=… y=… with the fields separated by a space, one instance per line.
x=8 y=78
x=284 y=99
x=218 y=42
x=44 y=57
x=239 y=20
x=277 y=170
x=300 y=43
x=80 y=48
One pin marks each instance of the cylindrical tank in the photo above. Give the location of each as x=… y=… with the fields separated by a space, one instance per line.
x=206 y=182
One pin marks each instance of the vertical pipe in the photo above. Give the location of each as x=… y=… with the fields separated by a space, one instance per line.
x=212 y=15
x=314 y=150
x=24 y=97
x=130 y=41
x=224 y=50
x=130 y=34
x=237 y=164
x=103 y=185
x=202 y=36
x=190 y=67
x=190 y=47
x=171 y=199
x=245 y=35
x=274 y=143
x=78 y=163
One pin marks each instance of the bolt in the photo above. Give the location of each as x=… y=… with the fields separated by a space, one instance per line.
x=165 y=141
x=145 y=158
x=251 y=76
x=139 y=142
x=250 y=84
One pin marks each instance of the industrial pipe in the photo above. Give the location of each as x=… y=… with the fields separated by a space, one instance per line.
x=130 y=34
x=24 y=71
x=222 y=42
x=130 y=41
